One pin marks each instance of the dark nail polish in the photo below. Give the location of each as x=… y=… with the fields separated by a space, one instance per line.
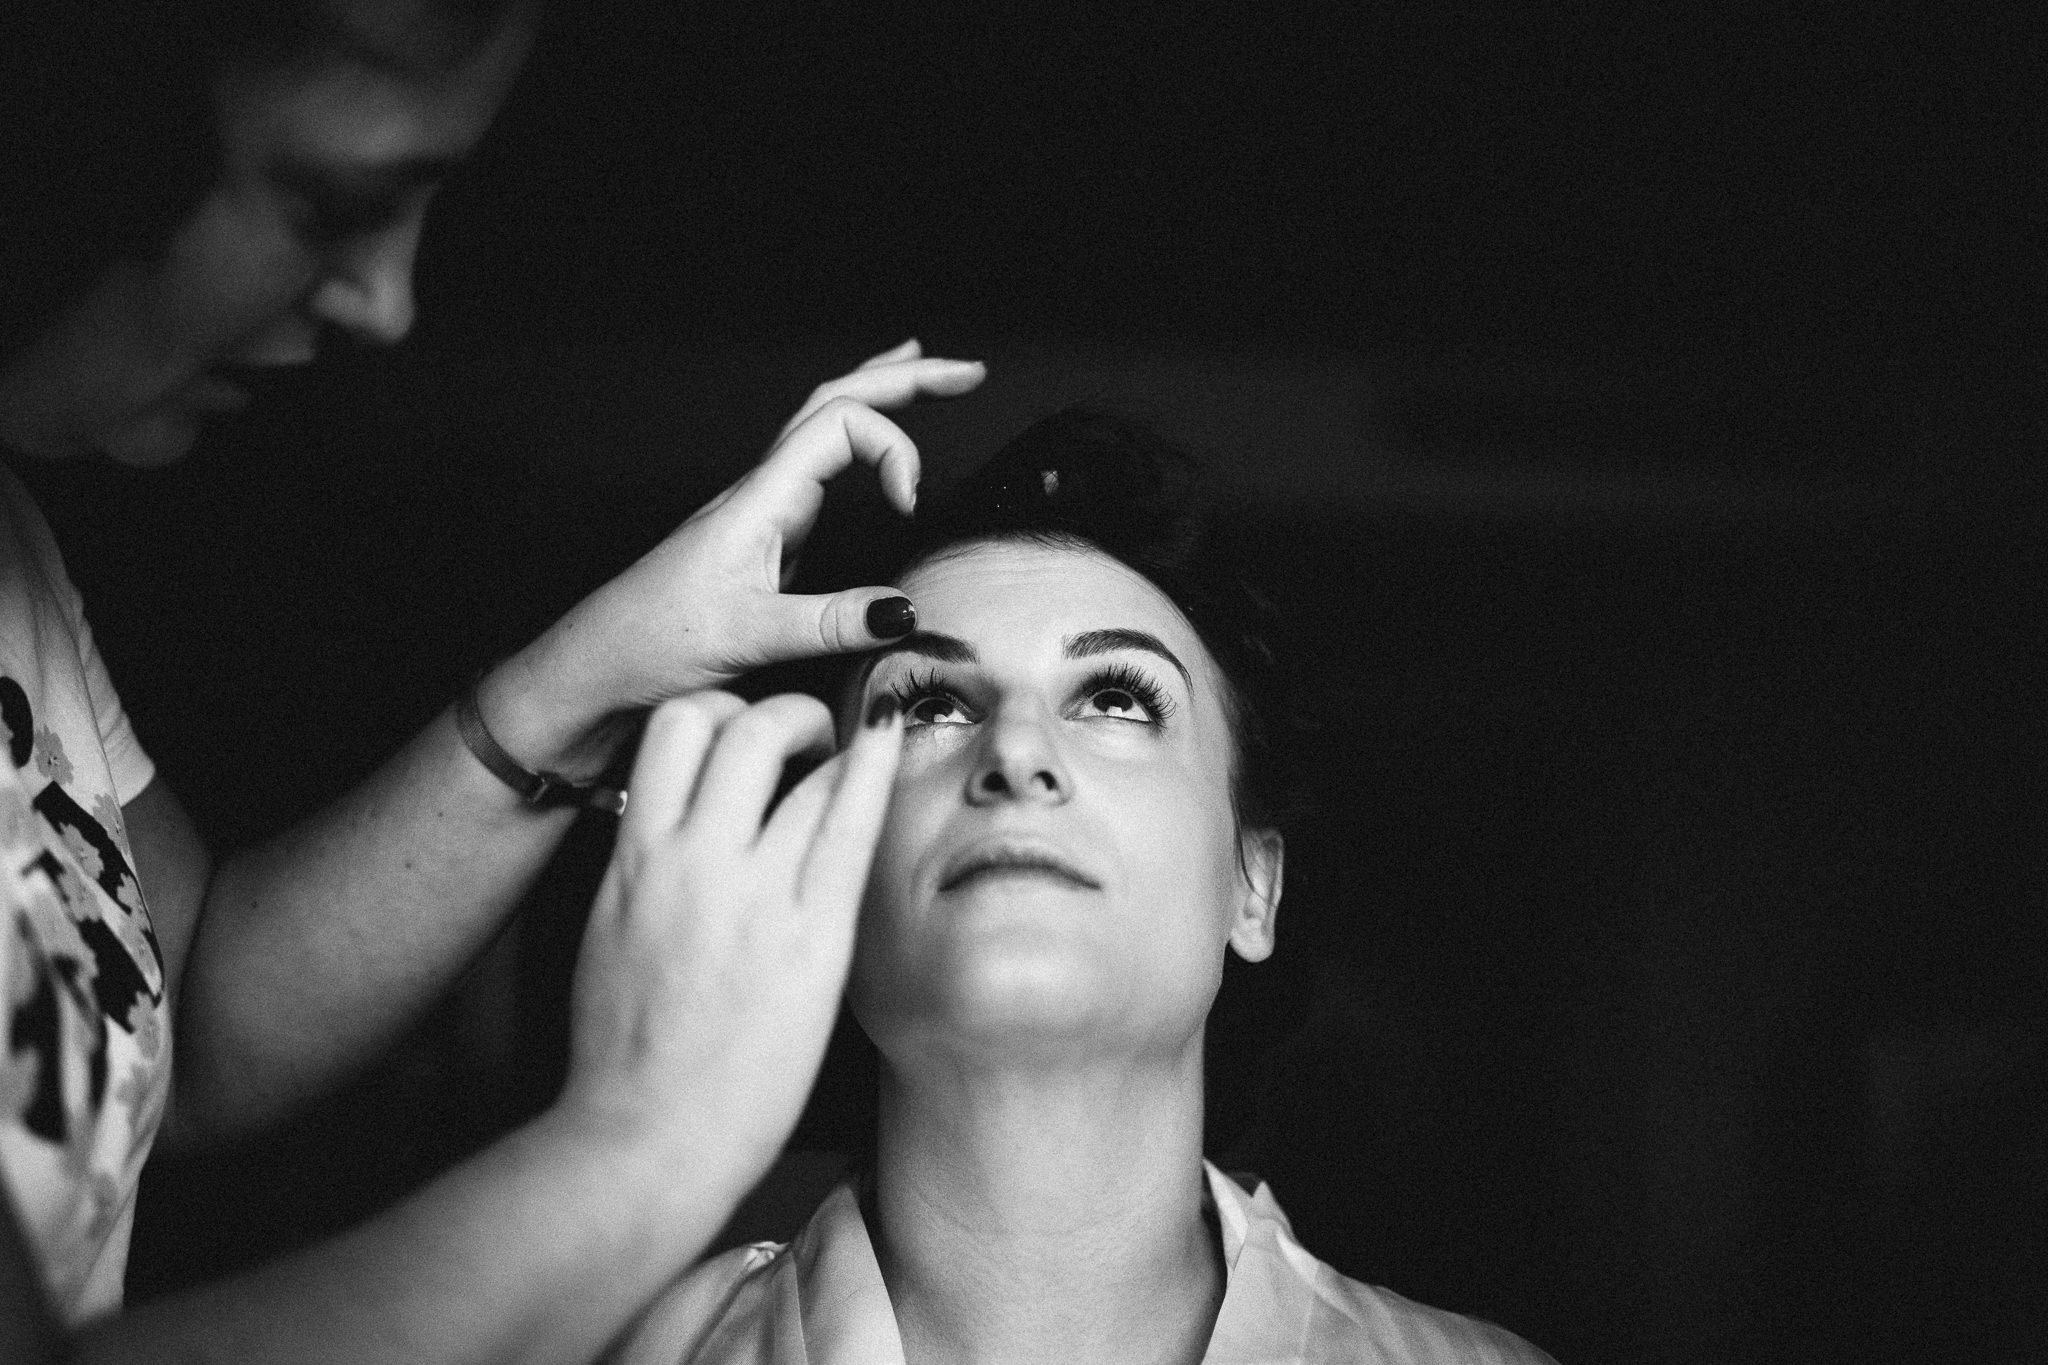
x=889 y=617
x=881 y=711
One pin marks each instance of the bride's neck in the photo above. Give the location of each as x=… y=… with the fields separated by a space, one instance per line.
x=1048 y=1214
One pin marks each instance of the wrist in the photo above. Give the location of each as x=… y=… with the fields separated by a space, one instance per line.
x=543 y=725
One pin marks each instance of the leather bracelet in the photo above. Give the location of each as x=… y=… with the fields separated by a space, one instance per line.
x=542 y=790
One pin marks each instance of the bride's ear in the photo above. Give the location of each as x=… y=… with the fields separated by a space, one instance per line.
x=1262 y=855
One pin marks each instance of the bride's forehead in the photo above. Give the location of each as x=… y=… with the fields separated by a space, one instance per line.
x=1008 y=590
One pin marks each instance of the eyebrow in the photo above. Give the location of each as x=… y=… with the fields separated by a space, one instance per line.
x=950 y=649
x=925 y=644
x=1092 y=642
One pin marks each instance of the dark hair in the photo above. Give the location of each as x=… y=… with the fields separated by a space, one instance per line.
x=412 y=36
x=110 y=127
x=1089 y=477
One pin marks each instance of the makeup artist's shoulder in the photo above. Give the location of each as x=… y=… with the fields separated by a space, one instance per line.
x=721 y=1310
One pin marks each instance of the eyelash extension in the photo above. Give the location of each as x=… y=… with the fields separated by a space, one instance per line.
x=916 y=688
x=1121 y=677
x=1125 y=678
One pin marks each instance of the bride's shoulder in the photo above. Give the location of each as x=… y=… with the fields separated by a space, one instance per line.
x=1366 y=1322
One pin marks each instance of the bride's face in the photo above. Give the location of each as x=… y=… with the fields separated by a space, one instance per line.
x=1061 y=863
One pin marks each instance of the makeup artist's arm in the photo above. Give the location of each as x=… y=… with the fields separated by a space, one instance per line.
x=312 y=953
x=708 y=981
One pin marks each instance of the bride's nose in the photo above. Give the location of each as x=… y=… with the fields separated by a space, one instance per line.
x=1019 y=760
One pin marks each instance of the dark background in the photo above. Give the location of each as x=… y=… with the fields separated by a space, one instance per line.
x=1641 y=406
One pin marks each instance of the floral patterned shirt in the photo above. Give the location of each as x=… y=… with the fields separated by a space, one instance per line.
x=85 y=1066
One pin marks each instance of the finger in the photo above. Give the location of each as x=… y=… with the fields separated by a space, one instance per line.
x=909 y=349
x=789 y=485
x=790 y=830
x=901 y=381
x=745 y=764
x=894 y=384
x=836 y=868
x=802 y=627
x=679 y=733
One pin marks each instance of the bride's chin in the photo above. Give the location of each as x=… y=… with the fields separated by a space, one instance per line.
x=988 y=1002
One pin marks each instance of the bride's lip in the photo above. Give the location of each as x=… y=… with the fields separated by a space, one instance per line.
x=1032 y=860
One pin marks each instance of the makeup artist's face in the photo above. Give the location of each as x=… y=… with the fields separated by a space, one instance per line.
x=1060 y=862
x=313 y=222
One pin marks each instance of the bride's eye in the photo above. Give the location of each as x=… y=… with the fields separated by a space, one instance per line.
x=938 y=710
x=924 y=702
x=1115 y=701
x=1123 y=693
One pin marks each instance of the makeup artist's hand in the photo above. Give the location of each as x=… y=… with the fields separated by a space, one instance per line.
x=706 y=605
x=720 y=940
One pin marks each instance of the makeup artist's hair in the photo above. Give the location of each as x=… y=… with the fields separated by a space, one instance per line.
x=1088 y=477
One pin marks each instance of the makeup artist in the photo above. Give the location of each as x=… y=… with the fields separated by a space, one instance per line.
x=293 y=148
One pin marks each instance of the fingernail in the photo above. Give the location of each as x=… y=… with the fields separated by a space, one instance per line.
x=889 y=617
x=881 y=711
